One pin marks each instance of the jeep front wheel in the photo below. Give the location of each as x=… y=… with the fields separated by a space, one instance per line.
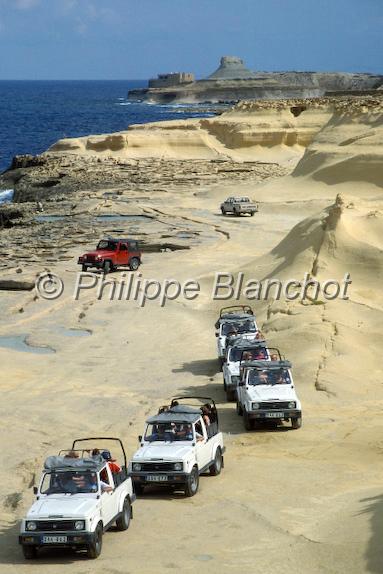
x=216 y=467
x=223 y=211
x=30 y=552
x=230 y=395
x=192 y=482
x=94 y=548
x=123 y=521
x=296 y=423
x=239 y=409
x=134 y=264
x=247 y=422
x=84 y=268
x=107 y=267
x=138 y=489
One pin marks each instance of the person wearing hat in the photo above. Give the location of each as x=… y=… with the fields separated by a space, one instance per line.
x=114 y=467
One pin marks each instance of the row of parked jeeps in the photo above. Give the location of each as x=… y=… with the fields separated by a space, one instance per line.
x=83 y=491
x=255 y=375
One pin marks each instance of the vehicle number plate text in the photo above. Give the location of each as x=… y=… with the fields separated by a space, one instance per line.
x=276 y=415
x=54 y=539
x=157 y=478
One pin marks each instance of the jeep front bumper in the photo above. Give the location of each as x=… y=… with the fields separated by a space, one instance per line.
x=98 y=264
x=47 y=539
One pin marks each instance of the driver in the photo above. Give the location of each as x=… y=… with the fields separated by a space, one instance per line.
x=263 y=378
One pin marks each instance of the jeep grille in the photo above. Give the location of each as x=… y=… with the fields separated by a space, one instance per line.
x=156 y=466
x=55 y=525
x=274 y=405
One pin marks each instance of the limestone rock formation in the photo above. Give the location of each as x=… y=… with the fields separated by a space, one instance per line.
x=232 y=68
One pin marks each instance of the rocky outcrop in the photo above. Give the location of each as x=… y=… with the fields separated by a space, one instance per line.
x=231 y=68
x=273 y=131
x=232 y=82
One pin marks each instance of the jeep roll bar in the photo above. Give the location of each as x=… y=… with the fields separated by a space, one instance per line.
x=99 y=438
x=270 y=350
x=208 y=400
x=241 y=341
x=244 y=308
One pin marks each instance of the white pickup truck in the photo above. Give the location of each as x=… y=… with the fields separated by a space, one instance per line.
x=266 y=392
x=239 y=206
x=179 y=444
x=82 y=492
x=238 y=349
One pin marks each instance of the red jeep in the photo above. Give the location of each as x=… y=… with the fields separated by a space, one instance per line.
x=112 y=253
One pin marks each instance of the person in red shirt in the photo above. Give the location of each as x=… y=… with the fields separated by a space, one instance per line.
x=114 y=467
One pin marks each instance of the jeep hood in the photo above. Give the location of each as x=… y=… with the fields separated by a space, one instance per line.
x=271 y=393
x=163 y=451
x=66 y=506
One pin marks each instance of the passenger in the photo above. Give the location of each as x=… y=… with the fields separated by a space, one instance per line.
x=247 y=356
x=198 y=432
x=71 y=454
x=274 y=357
x=263 y=378
x=281 y=379
x=114 y=467
x=184 y=432
x=206 y=414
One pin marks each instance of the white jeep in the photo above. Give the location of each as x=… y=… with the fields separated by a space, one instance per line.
x=238 y=349
x=181 y=442
x=82 y=492
x=231 y=325
x=266 y=392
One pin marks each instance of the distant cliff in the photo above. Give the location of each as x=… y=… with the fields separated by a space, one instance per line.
x=224 y=87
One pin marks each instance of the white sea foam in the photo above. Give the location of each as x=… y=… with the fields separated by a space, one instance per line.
x=6 y=195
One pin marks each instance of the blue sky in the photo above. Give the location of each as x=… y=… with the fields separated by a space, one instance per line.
x=134 y=39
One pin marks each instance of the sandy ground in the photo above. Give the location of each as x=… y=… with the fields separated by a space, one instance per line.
x=310 y=500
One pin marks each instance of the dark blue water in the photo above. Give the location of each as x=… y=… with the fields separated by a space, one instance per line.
x=33 y=115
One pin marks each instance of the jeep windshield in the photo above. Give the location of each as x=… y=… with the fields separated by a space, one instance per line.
x=169 y=432
x=69 y=482
x=109 y=245
x=272 y=377
x=235 y=328
x=258 y=354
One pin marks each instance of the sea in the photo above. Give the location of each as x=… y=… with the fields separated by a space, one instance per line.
x=35 y=114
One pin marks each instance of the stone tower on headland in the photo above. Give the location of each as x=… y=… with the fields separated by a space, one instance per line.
x=232 y=68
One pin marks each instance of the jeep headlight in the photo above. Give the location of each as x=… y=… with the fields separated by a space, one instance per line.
x=178 y=466
x=137 y=466
x=291 y=405
x=255 y=406
x=31 y=526
x=235 y=380
x=79 y=525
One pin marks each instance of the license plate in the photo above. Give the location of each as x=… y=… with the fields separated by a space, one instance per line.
x=157 y=478
x=276 y=415
x=54 y=539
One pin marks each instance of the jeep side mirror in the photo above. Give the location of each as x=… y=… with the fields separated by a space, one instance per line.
x=139 y=437
x=35 y=490
x=241 y=384
x=217 y=334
